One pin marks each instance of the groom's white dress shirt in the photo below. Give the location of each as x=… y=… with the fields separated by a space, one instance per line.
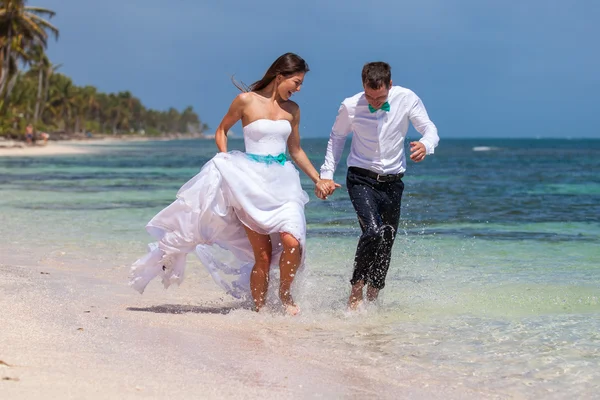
x=378 y=138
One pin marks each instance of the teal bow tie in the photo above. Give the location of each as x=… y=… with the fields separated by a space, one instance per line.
x=268 y=159
x=384 y=107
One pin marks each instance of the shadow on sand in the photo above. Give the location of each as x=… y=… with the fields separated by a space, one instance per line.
x=182 y=309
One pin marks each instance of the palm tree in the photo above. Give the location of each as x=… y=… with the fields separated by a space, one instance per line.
x=18 y=53
x=90 y=106
x=62 y=100
x=118 y=111
x=26 y=23
x=40 y=65
x=173 y=120
x=50 y=70
x=189 y=121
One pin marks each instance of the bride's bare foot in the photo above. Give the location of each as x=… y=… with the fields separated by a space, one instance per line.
x=292 y=309
x=288 y=303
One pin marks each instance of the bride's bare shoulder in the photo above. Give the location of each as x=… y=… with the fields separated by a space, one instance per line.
x=245 y=98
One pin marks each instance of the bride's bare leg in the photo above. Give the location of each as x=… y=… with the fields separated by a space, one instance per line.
x=288 y=265
x=259 y=279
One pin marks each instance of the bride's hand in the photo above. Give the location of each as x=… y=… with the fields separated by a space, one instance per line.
x=325 y=187
x=319 y=193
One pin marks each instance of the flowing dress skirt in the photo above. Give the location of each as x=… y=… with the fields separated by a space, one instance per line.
x=209 y=215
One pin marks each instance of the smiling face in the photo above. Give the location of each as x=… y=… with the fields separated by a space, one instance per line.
x=377 y=81
x=288 y=85
x=376 y=97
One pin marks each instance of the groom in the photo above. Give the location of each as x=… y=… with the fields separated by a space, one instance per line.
x=378 y=118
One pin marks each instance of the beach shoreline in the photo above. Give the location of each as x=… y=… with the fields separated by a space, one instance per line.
x=472 y=310
x=50 y=149
x=76 y=146
x=112 y=342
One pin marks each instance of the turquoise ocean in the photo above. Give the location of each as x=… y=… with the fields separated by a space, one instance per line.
x=495 y=276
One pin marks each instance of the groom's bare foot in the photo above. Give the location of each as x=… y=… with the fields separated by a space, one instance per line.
x=354 y=304
x=356 y=296
x=372 y=293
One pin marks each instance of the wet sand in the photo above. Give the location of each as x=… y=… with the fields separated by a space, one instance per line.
x=72 y=334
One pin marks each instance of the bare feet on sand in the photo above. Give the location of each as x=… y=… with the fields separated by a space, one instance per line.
x=354 y=305
x=288 y=303
x=291 y=309
x=356 y=296
x=372 y=293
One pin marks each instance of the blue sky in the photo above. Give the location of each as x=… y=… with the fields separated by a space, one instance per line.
x=483 y=68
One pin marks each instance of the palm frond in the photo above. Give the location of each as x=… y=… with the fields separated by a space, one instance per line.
x=40 y=10
x=35 y=31
x=45 y=24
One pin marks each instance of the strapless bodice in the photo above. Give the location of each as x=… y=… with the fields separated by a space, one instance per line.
x=266 y=136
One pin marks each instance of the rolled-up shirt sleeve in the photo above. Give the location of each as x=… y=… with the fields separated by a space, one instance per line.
x=337 y=139
x=423 y=125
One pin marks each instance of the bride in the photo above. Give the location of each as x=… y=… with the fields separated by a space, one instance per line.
x=250 y=204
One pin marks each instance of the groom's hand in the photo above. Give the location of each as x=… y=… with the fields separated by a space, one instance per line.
x=325 y=187
x=417 y=151
x=320 y=194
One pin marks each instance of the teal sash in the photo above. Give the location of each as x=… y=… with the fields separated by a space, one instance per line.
x=268 y=159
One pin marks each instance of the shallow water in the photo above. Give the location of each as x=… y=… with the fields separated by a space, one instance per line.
x=495 y=277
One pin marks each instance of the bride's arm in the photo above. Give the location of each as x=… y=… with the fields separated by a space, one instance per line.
x=299 y=156
x=234 y=114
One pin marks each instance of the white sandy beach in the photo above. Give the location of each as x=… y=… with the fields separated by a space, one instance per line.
x=73 y=147
x=51 y=149
x=71 y=328
x=78 y=334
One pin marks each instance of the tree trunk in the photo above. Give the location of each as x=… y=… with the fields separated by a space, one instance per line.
x=6 y=61
x=116 y=122
x=11 y=85
x=67 y=119
x=38 y=100
x=46 y=90
x=82 y=124
x=27 y=112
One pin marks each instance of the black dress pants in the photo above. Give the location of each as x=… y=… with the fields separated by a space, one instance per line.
x=377 y=206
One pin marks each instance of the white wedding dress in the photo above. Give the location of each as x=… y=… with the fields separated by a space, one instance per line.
x=257 y=189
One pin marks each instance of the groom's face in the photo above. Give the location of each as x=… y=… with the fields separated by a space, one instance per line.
x=376 y=97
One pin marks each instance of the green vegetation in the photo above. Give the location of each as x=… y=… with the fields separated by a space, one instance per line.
x=33 y=92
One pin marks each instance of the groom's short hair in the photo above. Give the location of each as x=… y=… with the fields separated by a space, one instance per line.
x=377 y=74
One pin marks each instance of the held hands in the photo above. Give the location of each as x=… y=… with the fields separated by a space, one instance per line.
x=325 y=187
x=417 y=151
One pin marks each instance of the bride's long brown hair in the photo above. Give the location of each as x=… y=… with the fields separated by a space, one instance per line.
x=287 y=64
